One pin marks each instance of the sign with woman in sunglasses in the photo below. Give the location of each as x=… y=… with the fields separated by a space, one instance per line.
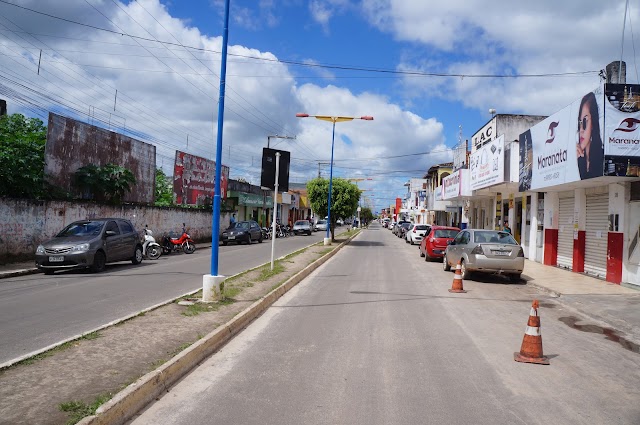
x=589 y=149
x=622 y=130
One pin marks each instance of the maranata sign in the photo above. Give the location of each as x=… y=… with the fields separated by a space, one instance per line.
x=565 y=147
x=455 y=185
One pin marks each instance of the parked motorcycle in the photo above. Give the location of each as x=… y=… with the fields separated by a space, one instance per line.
x=184 y=243
x=266 y=232
x=150 y=248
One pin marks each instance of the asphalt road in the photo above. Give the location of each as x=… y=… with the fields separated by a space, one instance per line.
x=374 y=337
x=37 y=311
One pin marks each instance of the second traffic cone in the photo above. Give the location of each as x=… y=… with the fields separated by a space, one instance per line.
x=457 y=280
x=531 y=350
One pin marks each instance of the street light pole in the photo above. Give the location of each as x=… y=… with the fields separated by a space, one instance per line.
x=334 y=120
x=211 y=283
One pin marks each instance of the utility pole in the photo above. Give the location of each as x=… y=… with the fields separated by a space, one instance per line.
x=320 y=164
x=278 y=137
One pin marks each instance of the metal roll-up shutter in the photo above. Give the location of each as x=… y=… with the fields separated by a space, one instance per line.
x=565 y=233
x=596 y=235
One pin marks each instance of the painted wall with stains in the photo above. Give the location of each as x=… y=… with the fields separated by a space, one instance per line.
x=72 y=144
x=24 y=224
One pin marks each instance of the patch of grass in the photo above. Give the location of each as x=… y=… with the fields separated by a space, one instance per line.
x=266 y=273
x=197 y=308
x=79 y=409
x=293 y=254
x=231 y=292
x=325 y=252
x=142 y=314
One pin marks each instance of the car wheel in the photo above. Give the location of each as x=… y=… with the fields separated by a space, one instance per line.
x=515 y=278
x=48 y=272
x=260 y=238
x=137 y=255
x=465 y=274
x=249 y=240
x=445 y=263
x=225 y=243
x=421 y=253
x=99 y=262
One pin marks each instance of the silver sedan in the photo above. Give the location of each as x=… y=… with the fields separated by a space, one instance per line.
x=487 y=251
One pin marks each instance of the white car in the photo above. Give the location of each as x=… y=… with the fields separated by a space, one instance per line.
x=321 y=225
x=415 y=233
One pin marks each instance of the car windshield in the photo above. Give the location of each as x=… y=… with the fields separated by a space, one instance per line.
x=445 y=233
x=421 y=227
x=239 y=225
x=406 y=225
x=84 y=228
x=492 y=236
x=301 y=223
x=322 y=221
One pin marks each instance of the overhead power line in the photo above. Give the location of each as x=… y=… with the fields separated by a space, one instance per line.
x=312 y=65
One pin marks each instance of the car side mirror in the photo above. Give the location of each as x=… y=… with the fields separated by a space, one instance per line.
x=109 y=233
x=451 y=242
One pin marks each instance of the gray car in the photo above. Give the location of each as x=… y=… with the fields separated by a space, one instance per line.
x=487 y=251
x=90 y=244
x=302 y=227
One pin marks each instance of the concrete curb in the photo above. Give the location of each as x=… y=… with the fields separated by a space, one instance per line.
x=125 y=404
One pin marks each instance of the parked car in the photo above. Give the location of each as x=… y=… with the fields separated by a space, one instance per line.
x=402 y=229
x=302 y=227
x=90 y=244
x=436 y=240
x=487 y=251
x=415 y=233
x=321 y=225
x=339 y=222
x=396 y=227
x=242 y=231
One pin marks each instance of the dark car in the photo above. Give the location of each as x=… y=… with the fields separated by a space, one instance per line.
x=402 y=229
x=436 y=240
x=242 y=231
x=90 y=244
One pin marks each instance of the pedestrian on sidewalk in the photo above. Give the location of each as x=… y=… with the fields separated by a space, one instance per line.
x=506 y=227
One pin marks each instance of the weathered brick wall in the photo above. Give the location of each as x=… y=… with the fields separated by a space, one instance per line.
x=24 y=224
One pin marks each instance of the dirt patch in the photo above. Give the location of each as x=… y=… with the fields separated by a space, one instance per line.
x=101 y=364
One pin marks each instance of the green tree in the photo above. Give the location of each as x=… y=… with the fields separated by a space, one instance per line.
x=366 y=215
x=164 y=189
x=22 y=142
x=108 y=183
x=344 y=199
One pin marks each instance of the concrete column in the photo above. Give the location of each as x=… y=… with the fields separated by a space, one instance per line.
x=211 y=290
x=533 y=228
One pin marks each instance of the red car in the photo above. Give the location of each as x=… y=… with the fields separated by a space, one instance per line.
x=435 y=242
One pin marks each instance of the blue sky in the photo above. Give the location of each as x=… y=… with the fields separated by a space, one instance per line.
x=168 y=93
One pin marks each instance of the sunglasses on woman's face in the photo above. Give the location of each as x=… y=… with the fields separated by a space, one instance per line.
x=583 y=121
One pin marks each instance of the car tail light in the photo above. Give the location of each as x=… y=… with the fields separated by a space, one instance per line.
x=477 y=250
x=521 y=252
x=414 y=231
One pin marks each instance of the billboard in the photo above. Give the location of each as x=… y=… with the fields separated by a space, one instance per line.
x=622 y=130
x=194 y=179
x=456 y=185
x=565 y=147
x=487 y=165
x=72 y=144
x=484 y=135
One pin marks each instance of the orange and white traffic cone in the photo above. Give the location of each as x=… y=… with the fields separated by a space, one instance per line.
x=531 y=350
x=457 y=280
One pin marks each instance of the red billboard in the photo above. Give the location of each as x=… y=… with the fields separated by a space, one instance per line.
x=193 y=179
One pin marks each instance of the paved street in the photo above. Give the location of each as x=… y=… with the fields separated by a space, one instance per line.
x=37 y=311
x=374 y=337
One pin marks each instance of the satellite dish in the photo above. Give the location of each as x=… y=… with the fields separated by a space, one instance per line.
x=492 y=111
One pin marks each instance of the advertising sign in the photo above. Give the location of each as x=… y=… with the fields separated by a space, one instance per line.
x=456 y=185
x=484 y=135
x=565 y=147
x=193 y=179
x=622 y=130
x=487 y=165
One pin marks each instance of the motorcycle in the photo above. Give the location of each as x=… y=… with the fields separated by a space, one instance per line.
x=184 y=243
x=266 y=232
x=150 y=248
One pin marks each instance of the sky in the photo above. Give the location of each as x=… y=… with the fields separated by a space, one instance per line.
x=427 y=72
